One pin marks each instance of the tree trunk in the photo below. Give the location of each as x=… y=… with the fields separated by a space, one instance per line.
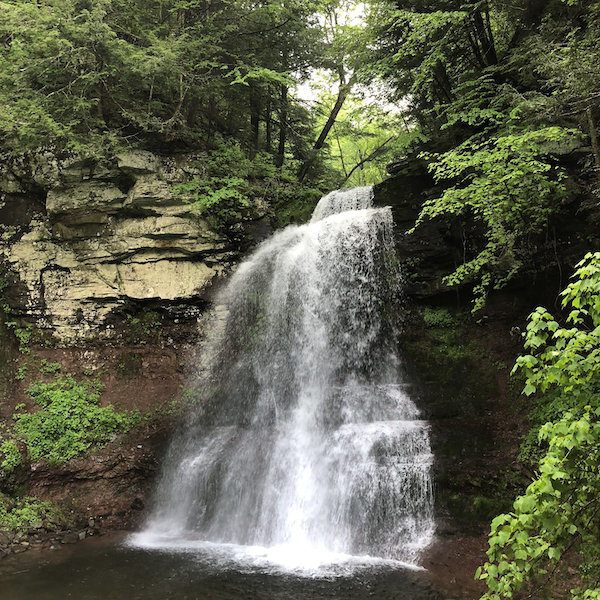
x=254 y=120
x=282 y=127
x=343 y=92
x=269 y=126
x=593 y=136
x=483 y=35
x=440 y=76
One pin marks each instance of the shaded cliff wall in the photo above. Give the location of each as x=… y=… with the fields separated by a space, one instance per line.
x=459 y=363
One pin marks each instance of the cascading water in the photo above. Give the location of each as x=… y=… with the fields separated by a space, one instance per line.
x=305 y=440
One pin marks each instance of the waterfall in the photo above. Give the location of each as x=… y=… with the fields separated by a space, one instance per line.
x=304 y=435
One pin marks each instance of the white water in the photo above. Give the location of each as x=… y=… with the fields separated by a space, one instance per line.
x=305 y=448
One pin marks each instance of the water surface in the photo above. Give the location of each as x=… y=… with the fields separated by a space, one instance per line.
x=108 y=569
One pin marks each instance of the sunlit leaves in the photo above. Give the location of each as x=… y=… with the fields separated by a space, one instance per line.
x=508 y=183
x=560 y=509
x=69 y=421
x=568 y=357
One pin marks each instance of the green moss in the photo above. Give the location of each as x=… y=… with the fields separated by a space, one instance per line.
x=129 y=367
x=294 y=205
x=143 y=328
x=457 y=379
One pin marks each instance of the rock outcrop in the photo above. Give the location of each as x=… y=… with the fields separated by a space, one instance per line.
x=82 y=239
x=438 y=246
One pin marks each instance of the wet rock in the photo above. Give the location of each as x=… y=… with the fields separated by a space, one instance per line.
x=430 y=252
x=137 y=504
x=69 y=538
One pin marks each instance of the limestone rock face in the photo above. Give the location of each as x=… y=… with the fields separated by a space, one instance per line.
x=84 y=240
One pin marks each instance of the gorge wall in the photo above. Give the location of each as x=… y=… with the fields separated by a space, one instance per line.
x=108 y=273
x=83 y=240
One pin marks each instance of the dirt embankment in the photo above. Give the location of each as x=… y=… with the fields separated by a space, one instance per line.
x=109 y=488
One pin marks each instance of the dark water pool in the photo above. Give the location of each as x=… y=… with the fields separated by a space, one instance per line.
x=105 y=569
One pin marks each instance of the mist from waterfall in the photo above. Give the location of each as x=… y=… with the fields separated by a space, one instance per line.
x=304 y=440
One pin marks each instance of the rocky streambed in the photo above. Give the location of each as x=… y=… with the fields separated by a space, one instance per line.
x=44 y=536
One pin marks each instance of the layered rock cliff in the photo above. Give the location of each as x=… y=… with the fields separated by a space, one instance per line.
x=81 y=240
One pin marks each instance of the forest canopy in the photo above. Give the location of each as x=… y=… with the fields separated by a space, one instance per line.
x=89 y=77
x=85 y=75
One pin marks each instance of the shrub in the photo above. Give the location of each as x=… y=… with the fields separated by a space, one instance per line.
x=70 y=421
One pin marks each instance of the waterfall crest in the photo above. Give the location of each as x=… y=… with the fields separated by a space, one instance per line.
x=304 y=435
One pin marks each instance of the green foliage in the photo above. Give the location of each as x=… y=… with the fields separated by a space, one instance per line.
x=88 y=77
x=144 y=328
x=560 y=510
x=21 y=372
x=508 y=183
x=364 y=138
x=231 y=187
x=543 y=409
x=23 y=335
x=11 y=457
x=47 y=368
x=502 y=92
x=24 y=512
x=568 y=357
x=69 y=422
x=219 y=193
x=438 y=318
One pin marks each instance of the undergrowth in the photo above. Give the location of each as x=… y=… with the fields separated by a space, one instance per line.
x=230 y=188
x=24 y=512
x=69 y=423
